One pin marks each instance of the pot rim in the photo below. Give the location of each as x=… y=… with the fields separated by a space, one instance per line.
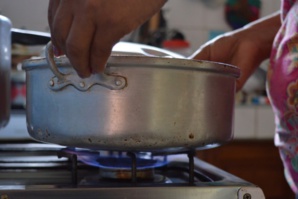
x=145 y=62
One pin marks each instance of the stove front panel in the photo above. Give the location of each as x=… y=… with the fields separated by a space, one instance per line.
x=212 y=192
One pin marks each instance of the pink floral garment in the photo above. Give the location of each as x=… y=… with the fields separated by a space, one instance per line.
x=283 y=90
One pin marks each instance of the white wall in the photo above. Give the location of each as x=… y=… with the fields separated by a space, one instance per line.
x=26 y=14
x=196 y=20
x=192 y=17
x=254 y=122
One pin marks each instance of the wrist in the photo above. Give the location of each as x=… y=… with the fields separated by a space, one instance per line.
x=262 y=32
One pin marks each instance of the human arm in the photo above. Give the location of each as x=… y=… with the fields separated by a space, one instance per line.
x=86 y=30
x=245 y=48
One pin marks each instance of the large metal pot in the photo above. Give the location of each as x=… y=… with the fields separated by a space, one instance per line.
x=140 y=103
x=5 y=67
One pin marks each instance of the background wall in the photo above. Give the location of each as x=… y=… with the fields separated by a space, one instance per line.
x=192 y=17
x=197 y=21
x=26 y=14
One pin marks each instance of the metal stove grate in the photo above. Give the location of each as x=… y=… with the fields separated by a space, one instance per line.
x=32 y=170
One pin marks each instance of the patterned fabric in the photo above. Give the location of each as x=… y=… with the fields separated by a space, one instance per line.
x=282 y=87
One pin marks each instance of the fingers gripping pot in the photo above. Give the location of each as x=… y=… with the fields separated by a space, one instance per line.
x=140 y=103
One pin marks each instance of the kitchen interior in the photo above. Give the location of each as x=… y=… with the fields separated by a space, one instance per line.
x=251 y=155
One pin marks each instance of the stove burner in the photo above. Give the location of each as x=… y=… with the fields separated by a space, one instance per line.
x=121 y=167
x=124 y=163
x=85 y=156
x=93 y=158
x=114 y=167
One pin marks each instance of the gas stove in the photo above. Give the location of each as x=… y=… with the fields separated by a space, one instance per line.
x=33 y=170
x=36 y=170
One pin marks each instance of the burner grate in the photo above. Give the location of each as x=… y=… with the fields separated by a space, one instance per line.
x=132 y=163
x=73 y=164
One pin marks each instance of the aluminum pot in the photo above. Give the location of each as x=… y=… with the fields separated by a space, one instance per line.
x=148 y=102
x=5 y=67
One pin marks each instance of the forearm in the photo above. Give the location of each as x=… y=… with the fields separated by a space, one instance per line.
x=263 y=32
x=245 y=48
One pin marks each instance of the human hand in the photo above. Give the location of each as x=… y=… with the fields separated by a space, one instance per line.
x=232 y=49
x=87 y=30
x=245 y=48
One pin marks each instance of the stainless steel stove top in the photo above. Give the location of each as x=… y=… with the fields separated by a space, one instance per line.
x=33 y=170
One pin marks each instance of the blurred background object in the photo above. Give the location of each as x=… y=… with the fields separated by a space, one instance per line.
x=176 y=42
x=238 y=13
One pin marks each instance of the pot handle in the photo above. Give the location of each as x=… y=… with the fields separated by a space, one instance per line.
x=62 y=80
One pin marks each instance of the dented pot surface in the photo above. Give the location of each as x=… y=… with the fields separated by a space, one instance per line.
x=140 y=103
